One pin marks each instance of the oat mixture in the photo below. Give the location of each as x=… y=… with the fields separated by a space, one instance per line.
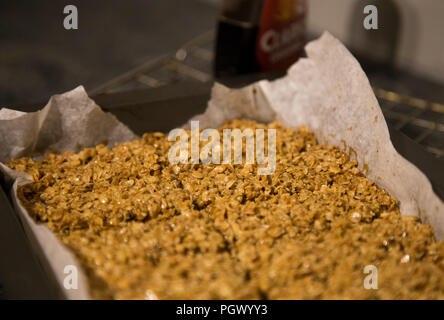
x=145 y=228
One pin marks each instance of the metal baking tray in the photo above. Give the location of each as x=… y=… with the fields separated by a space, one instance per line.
x=420 y=119
x=22 y=274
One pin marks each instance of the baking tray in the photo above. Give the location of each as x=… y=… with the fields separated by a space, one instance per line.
x=22 y=274
x=397 y=91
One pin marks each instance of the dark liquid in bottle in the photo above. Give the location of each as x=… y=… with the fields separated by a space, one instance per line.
x=235 y=49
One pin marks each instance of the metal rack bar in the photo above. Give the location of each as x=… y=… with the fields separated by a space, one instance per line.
x=193 y=61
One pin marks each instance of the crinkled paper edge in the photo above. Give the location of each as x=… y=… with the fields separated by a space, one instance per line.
x=329 y=93
x=67 y=121
x=316 y=93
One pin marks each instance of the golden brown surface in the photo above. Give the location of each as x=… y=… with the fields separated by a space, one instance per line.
x=145 y=228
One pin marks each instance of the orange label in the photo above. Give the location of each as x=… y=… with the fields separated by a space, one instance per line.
x=281 y=35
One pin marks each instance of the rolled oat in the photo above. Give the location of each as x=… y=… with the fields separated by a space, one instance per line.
x=145 y=228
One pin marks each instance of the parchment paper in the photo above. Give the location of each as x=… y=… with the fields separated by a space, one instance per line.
x=66 y=122
x=328 y=92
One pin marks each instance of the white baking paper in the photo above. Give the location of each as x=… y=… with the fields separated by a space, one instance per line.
x=328 y=92
x=68 y=121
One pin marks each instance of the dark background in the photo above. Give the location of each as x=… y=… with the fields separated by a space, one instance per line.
x=38 y=57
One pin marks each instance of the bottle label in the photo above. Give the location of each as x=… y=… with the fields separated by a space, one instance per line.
x=281 y=35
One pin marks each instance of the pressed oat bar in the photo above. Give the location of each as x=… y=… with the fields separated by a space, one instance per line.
x=145 y=228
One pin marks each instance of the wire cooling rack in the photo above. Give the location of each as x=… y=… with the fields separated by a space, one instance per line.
x=421 y=120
